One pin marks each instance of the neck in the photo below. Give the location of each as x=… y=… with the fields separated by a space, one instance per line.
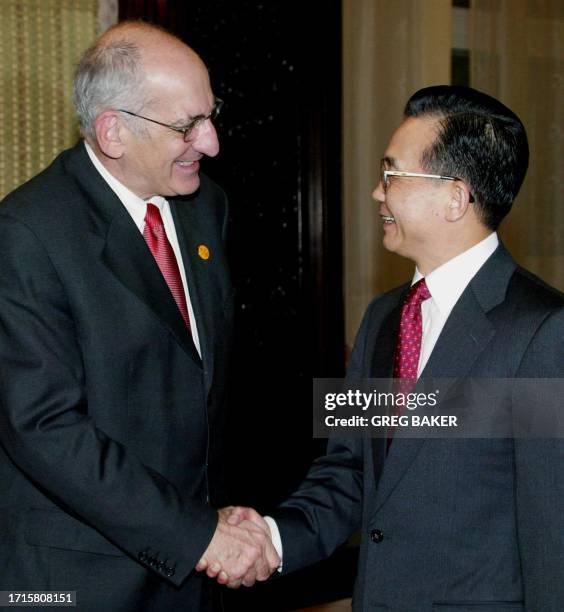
x=114 y=167
x=449 y=249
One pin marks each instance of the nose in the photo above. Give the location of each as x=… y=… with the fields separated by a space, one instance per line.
x=206 y=140
x=379 y=194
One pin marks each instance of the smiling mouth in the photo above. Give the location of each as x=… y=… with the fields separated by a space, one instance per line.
x=387 y=219
x=184 y=162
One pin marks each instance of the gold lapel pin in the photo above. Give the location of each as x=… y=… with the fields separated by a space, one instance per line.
x=203 y=251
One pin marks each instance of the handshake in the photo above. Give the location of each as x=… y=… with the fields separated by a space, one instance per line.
x=241 y=550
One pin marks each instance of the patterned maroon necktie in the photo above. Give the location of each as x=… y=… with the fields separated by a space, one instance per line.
x=408 y=349
x=155 y=236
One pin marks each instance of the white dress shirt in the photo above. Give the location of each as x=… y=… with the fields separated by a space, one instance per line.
x=446 y=284
x=137 y=208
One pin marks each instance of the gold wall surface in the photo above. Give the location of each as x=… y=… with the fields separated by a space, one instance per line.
x=40 y=44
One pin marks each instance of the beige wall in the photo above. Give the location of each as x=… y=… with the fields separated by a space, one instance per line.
x=390 y=49
x=517 y=55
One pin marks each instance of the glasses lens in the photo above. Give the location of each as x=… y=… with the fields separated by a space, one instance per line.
x=196 y=123
x=383 y=176
x=188 y=132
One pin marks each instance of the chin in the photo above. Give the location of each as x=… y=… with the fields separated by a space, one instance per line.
x=186 y=187
x=192 y=185
x=390 y=244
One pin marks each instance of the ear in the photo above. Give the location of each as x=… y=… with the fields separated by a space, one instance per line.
x=460 y=200
x=108 y=128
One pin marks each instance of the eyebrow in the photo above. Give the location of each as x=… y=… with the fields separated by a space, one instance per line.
x=185 y=123
x=389 y=161
x=196 y=117
x=189 y=121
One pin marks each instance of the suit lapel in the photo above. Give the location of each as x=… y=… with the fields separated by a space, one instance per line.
x=385 y=343
x=466 y=333
x=468 y=329
x=382 y=367
x=124 y=251
x=191 y=236
x=464 y=337
x=127 y=256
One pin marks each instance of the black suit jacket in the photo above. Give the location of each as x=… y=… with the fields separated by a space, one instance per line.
x=452 y=525
x=110 y=422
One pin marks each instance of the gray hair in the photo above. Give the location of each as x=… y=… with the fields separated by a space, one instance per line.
x=108 y=76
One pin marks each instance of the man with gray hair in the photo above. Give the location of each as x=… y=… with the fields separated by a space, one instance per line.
x=115 y=324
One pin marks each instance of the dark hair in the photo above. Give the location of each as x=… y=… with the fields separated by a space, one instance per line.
x=480 y=141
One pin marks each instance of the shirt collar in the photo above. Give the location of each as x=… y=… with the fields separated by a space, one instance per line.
x=135 y=206
x=447 y=282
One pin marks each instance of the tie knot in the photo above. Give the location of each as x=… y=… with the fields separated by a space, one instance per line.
x=153 y=217
x=418 y=293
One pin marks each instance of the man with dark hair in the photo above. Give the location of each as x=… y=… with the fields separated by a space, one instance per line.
x=479 y=140
x=115 y=325
x=450 y=524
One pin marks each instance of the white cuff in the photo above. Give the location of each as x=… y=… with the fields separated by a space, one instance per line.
x=275 y=536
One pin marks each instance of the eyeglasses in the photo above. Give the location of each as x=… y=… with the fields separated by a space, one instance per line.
x=386 y=174
x=185 y=130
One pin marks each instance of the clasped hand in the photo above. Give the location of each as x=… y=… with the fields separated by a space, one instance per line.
x=241 y=550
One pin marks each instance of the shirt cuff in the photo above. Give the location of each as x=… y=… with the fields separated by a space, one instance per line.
x=275 y=537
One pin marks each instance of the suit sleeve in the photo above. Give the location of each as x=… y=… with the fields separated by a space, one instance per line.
x=540 y=481
x=327 y=507
x=46 y=430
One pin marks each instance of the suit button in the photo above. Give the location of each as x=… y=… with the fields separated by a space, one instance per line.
x=376 y=535
x=169 y=571
x=143 y=556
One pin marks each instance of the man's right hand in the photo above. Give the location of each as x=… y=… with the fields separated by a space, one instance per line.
x=237 y=514
x=240 y=551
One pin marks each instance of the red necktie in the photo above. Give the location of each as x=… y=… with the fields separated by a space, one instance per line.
x=408 y=350
x=155 y=236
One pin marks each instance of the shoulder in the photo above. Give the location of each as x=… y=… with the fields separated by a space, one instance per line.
x=529 y=301
x=48 y=194
x=513 y=298
x=542 y=306
x=532 y=292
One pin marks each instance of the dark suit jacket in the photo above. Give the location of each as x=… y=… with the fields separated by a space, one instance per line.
x=110 y=423
x=448 y=524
